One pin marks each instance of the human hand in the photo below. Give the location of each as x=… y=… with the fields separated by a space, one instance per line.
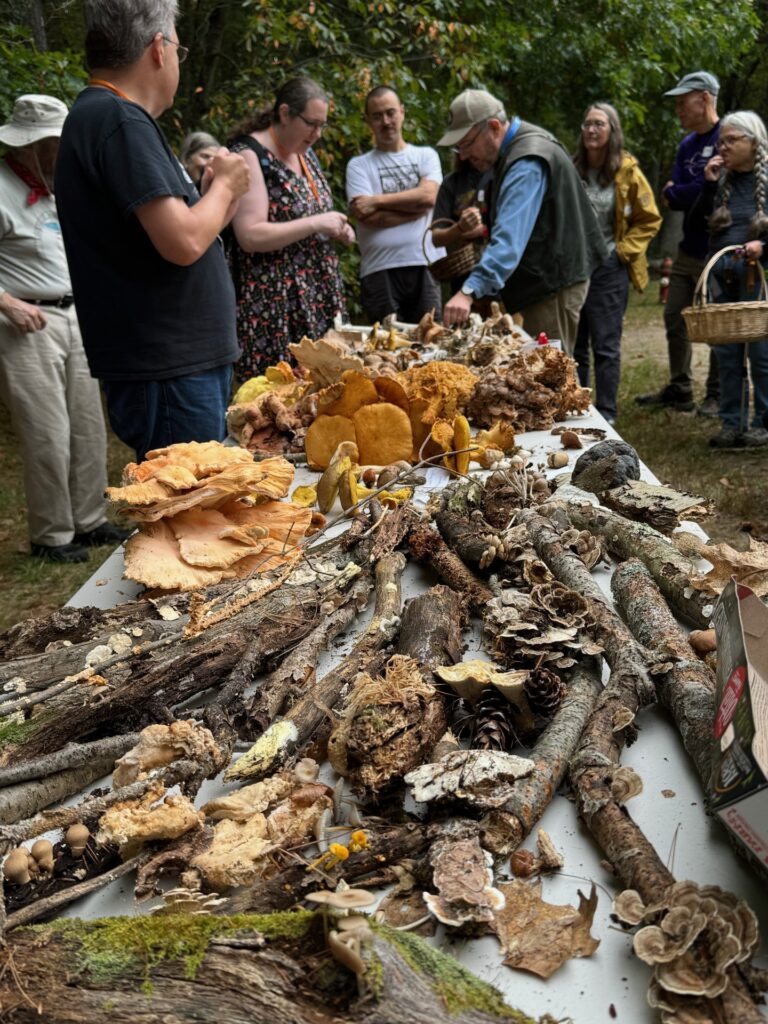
x=333 y=225
x=23 y=315
x=712 y=169
x=362 y=207
x=470 y=223
x=231 y=170
x=751 y=250
x=456 y=310
x=664 y=197
x=347 y=237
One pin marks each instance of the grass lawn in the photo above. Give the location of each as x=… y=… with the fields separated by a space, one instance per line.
x=674 y=445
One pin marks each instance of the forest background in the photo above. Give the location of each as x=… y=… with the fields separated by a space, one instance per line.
x=547 y=60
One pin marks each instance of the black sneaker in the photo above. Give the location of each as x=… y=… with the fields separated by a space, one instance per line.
x=710 y=407
x=105 y=533
x=729 y=437
x=757 y=437
x=63 y=553
x=670 y=397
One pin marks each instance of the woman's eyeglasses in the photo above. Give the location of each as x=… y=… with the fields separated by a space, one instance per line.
x=317 y=126
x=730 y=140
x=594 y=124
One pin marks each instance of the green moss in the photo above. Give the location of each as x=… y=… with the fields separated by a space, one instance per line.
x=12 y=732
x=457 y=986
x=111 y=947
x=464 y=498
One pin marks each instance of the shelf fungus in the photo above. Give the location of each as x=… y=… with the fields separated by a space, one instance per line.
x=698 y=934
x=463 y=878
x=206 y=517
x=161 y=745
x=481 y=778
x=131 y=823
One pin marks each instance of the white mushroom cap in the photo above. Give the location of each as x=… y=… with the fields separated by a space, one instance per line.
x=350 y=899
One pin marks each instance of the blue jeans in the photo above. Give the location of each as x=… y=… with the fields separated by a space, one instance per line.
x=147 y=414
x=731 y=286
x=601 y=323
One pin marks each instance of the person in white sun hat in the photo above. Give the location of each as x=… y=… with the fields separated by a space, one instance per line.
x=54 y=403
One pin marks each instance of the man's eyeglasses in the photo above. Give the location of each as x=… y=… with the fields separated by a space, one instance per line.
x=183 y=50
x=317 y=126
x=731 y=140
x=594 y=124
x=466 y=144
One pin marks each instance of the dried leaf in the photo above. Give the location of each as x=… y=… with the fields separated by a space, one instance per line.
x=539 y=937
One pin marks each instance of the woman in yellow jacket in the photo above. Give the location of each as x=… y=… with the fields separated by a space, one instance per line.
x=629 y=218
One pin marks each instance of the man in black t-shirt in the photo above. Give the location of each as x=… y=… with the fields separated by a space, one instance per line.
x=154 y=298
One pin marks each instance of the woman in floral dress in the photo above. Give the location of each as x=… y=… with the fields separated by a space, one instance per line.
x=285 y=268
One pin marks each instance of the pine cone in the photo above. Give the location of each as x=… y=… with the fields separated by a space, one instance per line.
x=545 y=692
x=494 y=728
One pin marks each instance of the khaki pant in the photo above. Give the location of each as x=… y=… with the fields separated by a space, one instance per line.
x=557 y=315
x=55 y=408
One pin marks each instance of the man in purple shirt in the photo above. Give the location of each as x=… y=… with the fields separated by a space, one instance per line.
x=696 y=107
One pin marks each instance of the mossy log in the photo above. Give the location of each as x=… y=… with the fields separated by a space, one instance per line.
x=232 y=970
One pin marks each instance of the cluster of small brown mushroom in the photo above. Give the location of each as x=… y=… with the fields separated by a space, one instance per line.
x=350 y=931
x=21 y=864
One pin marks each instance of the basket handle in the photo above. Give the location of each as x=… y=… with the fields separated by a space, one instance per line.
x=428 y=229
x=700 y=292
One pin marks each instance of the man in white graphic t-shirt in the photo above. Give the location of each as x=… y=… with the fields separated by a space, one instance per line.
x=391 y=192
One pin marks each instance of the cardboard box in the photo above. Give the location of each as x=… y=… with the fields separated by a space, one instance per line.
x=739 y=781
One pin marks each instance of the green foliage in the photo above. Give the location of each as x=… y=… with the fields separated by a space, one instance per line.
x=24 y=68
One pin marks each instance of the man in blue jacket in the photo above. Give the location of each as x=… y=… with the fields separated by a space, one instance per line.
x=696 y=107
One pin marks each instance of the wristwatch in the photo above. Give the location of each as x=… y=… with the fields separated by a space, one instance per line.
x=467 y=291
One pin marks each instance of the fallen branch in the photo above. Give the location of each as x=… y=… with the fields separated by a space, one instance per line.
x=283 y=738
x=71 y=756
x=670 y=569
x=429 y=548
x=506 y=827
x=687 y=689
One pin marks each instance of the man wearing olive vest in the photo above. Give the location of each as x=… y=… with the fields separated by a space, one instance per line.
x=545 y=240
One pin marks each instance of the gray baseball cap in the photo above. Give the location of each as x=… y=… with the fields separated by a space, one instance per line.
x=696 y=81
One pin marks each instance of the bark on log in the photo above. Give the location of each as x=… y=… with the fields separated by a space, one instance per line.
x=281 y=741
x=256 y=968
x=189 y=666
x=671 y=570
x=430 y=632
x=71 y=756
x=27 y=798
x=296 y=672
x=475 y=541
x=505 y=828
x=687 y=690
x=429 y=548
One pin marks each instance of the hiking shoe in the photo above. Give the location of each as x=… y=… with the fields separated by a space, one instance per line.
x=105 y=533
x=670 y=397
x=63 y=553
x=757 y=437
x=729 y=437
x=710 y=407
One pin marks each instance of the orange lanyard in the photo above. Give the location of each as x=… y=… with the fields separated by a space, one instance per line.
x=302 y=163
x=112 y=88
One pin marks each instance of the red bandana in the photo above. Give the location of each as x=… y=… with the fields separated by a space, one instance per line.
x=38 y=187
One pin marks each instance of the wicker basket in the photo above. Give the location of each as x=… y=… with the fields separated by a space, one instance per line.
x=724 y=323
x=456 y=263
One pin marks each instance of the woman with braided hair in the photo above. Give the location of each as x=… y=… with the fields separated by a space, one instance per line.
x=734 y=202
